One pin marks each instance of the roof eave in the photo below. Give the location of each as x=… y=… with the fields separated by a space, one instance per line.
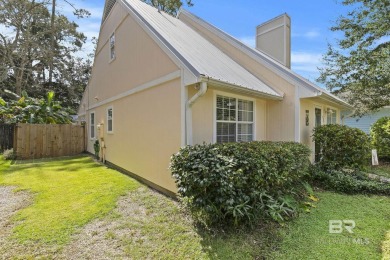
x=222 y=85
x=329 y=98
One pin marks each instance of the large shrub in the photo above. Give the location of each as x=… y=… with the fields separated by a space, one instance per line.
x=240 y=182
x=380 y=134
x=341 y=146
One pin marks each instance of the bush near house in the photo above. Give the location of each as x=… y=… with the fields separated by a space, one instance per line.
x=349 y=182
x=241 y=182
x=341 y=146
x=380 y=134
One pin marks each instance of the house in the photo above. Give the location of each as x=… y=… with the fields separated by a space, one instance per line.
x=159 y=83
x=364 y=123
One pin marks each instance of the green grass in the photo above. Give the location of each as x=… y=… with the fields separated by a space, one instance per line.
x=159 y=228
x=308 y=236
x=67 y=194
x=4 y=165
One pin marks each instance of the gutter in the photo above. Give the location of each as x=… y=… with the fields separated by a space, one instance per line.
x=243 y=90
x=202 y=90
x=331 y=99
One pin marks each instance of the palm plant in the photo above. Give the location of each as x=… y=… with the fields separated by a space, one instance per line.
x=24 y=109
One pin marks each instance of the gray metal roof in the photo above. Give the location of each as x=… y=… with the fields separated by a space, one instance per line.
x=260 y=56
x=198 y=54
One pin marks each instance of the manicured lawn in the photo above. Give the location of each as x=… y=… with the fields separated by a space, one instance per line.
x=67 y=194
x=89 y=211
x=308 y=237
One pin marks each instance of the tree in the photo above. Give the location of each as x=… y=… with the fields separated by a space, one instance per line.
x=169 y=6
x=27 y=57
x=358 y=68
x=24 y=109
x=80 y=13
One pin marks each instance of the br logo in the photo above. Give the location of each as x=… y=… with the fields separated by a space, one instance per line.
x=337 y=226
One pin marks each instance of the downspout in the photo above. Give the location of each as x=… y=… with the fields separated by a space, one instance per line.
x=202 y=90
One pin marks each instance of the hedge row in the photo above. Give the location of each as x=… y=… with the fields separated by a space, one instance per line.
x=380 y=133
x=240 y=182
x=350 y=183
x=341 y=146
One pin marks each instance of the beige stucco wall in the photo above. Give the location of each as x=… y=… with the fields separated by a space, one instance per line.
x=203 y=115
x=280 y=124
x=146 y=132
x=307 y=131
x=147 y=124
x=138 y=58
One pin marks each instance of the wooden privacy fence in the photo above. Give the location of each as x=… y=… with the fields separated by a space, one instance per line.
x=43 y=141
x=7 y=135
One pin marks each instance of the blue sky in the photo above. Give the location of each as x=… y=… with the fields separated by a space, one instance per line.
x=310 y=23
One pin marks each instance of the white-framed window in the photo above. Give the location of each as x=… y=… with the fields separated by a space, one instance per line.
x=234 y=119
x=112 y=46
x=331 y=116
x=92 y=127
x=110 y=120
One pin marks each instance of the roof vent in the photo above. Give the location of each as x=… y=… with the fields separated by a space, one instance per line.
x=107 y=8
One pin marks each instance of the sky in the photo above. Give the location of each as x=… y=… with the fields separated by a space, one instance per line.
x=310 y=24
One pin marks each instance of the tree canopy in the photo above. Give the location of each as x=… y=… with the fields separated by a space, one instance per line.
x=169 y=6
x=32 y=47
x=358 y=68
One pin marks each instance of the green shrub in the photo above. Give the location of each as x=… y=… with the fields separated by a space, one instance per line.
x=240 y=182
x=354 y=182
x=96 y=148
x=9 y=154
x=380 y=134
x=341 y=146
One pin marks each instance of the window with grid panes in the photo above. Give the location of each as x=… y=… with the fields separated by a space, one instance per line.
x=234 y=120
x=112 y=46
x=92 y=125
x=109 y=120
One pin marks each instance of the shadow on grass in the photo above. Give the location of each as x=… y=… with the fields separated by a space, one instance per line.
x=60 y=164
x=257 y=242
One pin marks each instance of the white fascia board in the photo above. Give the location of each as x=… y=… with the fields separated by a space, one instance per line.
x=227 y=86
x=191 y=73
x=331 y=99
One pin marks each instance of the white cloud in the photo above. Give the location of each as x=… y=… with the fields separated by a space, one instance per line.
x=248 y=40
x=306 y=63
x=306 y=58
x=6 y=31
x=96 y=11
x=311 y=34
x=89 y=26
